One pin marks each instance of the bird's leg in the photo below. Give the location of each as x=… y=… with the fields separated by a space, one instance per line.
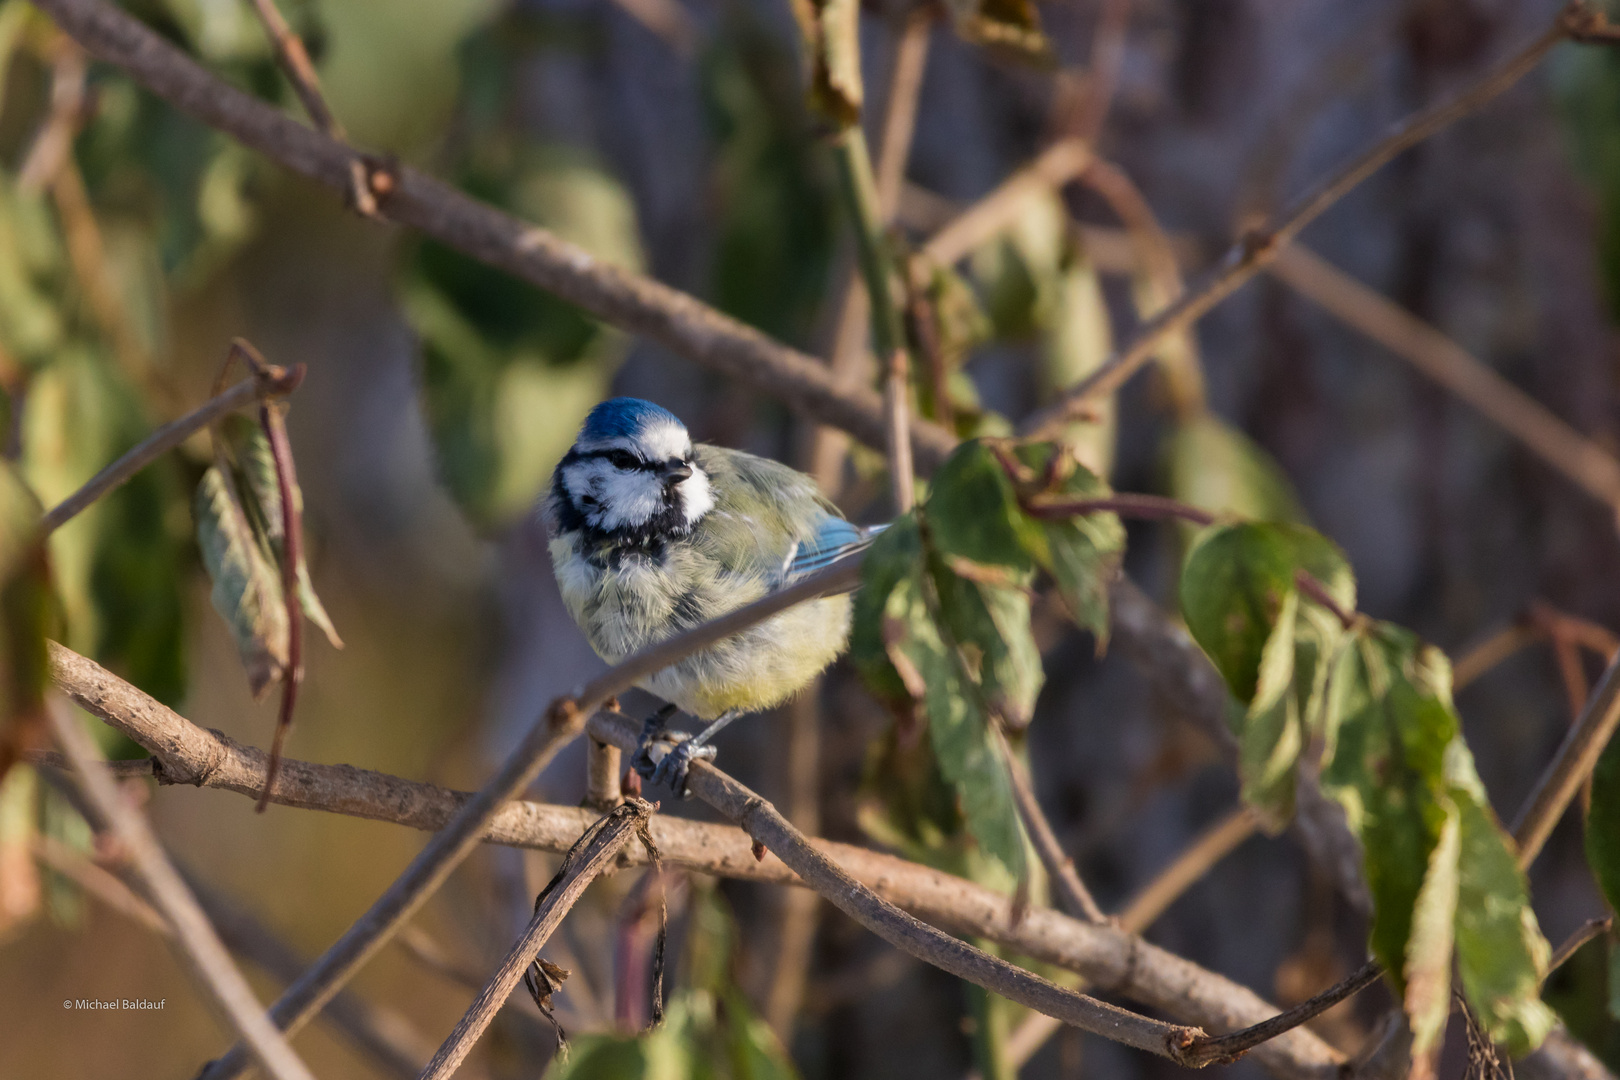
x=672 y=770
x=652 y=729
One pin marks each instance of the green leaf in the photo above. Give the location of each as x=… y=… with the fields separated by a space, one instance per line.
x=1235 y=581
x=247 y=585
x=1500 y=951
x=989 y=625
x=830 y=30
x=1217 y=468
x=1405 y=777
x=958 y=724
x=972 y=513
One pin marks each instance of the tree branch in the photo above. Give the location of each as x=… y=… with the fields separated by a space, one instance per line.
x=586 y=860
x=676 y=320
x=1261 y=246
x=1569 y=768
x=1105 y=955
x=195 y=942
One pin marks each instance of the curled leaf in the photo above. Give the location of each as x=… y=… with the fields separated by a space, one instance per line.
x=247 y=584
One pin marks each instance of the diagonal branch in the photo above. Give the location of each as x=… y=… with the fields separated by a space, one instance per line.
x=676 y=320
x=195 y=941
x=1105 y=955
x=1077 y=899
x=591 y=854
x=1259 y=247
x=561 y=722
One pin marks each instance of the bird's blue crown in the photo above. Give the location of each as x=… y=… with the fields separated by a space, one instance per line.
x=624 y=418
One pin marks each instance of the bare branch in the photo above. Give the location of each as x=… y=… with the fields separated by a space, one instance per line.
x=195 y=942
x=602 y=776
x=900 y=108
x=1077 y=899
x=1260 y=246
x=276 y=382
x=590 y=855
x=1581 y=460
x=99 y=882
x=1105 y=955
x=1588 y=930
x=638 y=304
x=1227 y=1048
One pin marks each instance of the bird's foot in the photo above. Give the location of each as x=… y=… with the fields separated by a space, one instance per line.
x=676 y=762
x=655 y=742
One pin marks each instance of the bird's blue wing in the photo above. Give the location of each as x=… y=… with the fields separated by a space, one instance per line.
x=833 y=539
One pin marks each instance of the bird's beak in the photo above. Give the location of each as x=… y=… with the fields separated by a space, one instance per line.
x=675 y=471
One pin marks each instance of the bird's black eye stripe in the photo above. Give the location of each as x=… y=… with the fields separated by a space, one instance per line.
x=619 y=459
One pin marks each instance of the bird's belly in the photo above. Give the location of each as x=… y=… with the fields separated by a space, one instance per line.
x=642 y=601
x=761 y=667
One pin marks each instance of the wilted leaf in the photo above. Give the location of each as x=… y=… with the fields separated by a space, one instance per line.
x=830 y=30
x=1011 y=25
x=258 y=467
x=1217 y=468
x=1076 y=339
x=247 y=585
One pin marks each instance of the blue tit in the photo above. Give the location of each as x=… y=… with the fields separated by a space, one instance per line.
x=651 y=535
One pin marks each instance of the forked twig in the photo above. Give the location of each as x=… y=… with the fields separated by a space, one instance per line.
x=593 y=853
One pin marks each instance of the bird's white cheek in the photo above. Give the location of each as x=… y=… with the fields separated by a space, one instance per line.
x=629 y=499
x=697 y=498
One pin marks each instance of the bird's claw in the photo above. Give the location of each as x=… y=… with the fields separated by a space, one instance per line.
x=665 y=757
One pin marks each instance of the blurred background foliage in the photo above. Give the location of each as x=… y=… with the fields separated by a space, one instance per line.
x=673 y=137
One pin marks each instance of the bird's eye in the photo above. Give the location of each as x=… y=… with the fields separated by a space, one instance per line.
x=622 y=459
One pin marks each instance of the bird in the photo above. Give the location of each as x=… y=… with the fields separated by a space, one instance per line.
x=651 y=534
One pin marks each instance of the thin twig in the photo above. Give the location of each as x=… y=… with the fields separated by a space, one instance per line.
x=896 y=403
x=674 y=319
x=1493 y=650
x=1258 y=247
x=1588 y=930
x=602 y=776
x=1103 y=954
x=762 y=822
x=798 y=910
x=1581 y=460
x=276 y=383
x=1227 y=1048
x=560 y=723
x=1077 y=899
x=1102 y=76
x=1570 y=767
x=195 y=942
x=593 y=853
x=130 y=769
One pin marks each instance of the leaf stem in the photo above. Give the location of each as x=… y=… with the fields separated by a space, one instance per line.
x=1076 y=897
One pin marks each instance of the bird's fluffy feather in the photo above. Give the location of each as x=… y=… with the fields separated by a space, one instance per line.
x=629 y=586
